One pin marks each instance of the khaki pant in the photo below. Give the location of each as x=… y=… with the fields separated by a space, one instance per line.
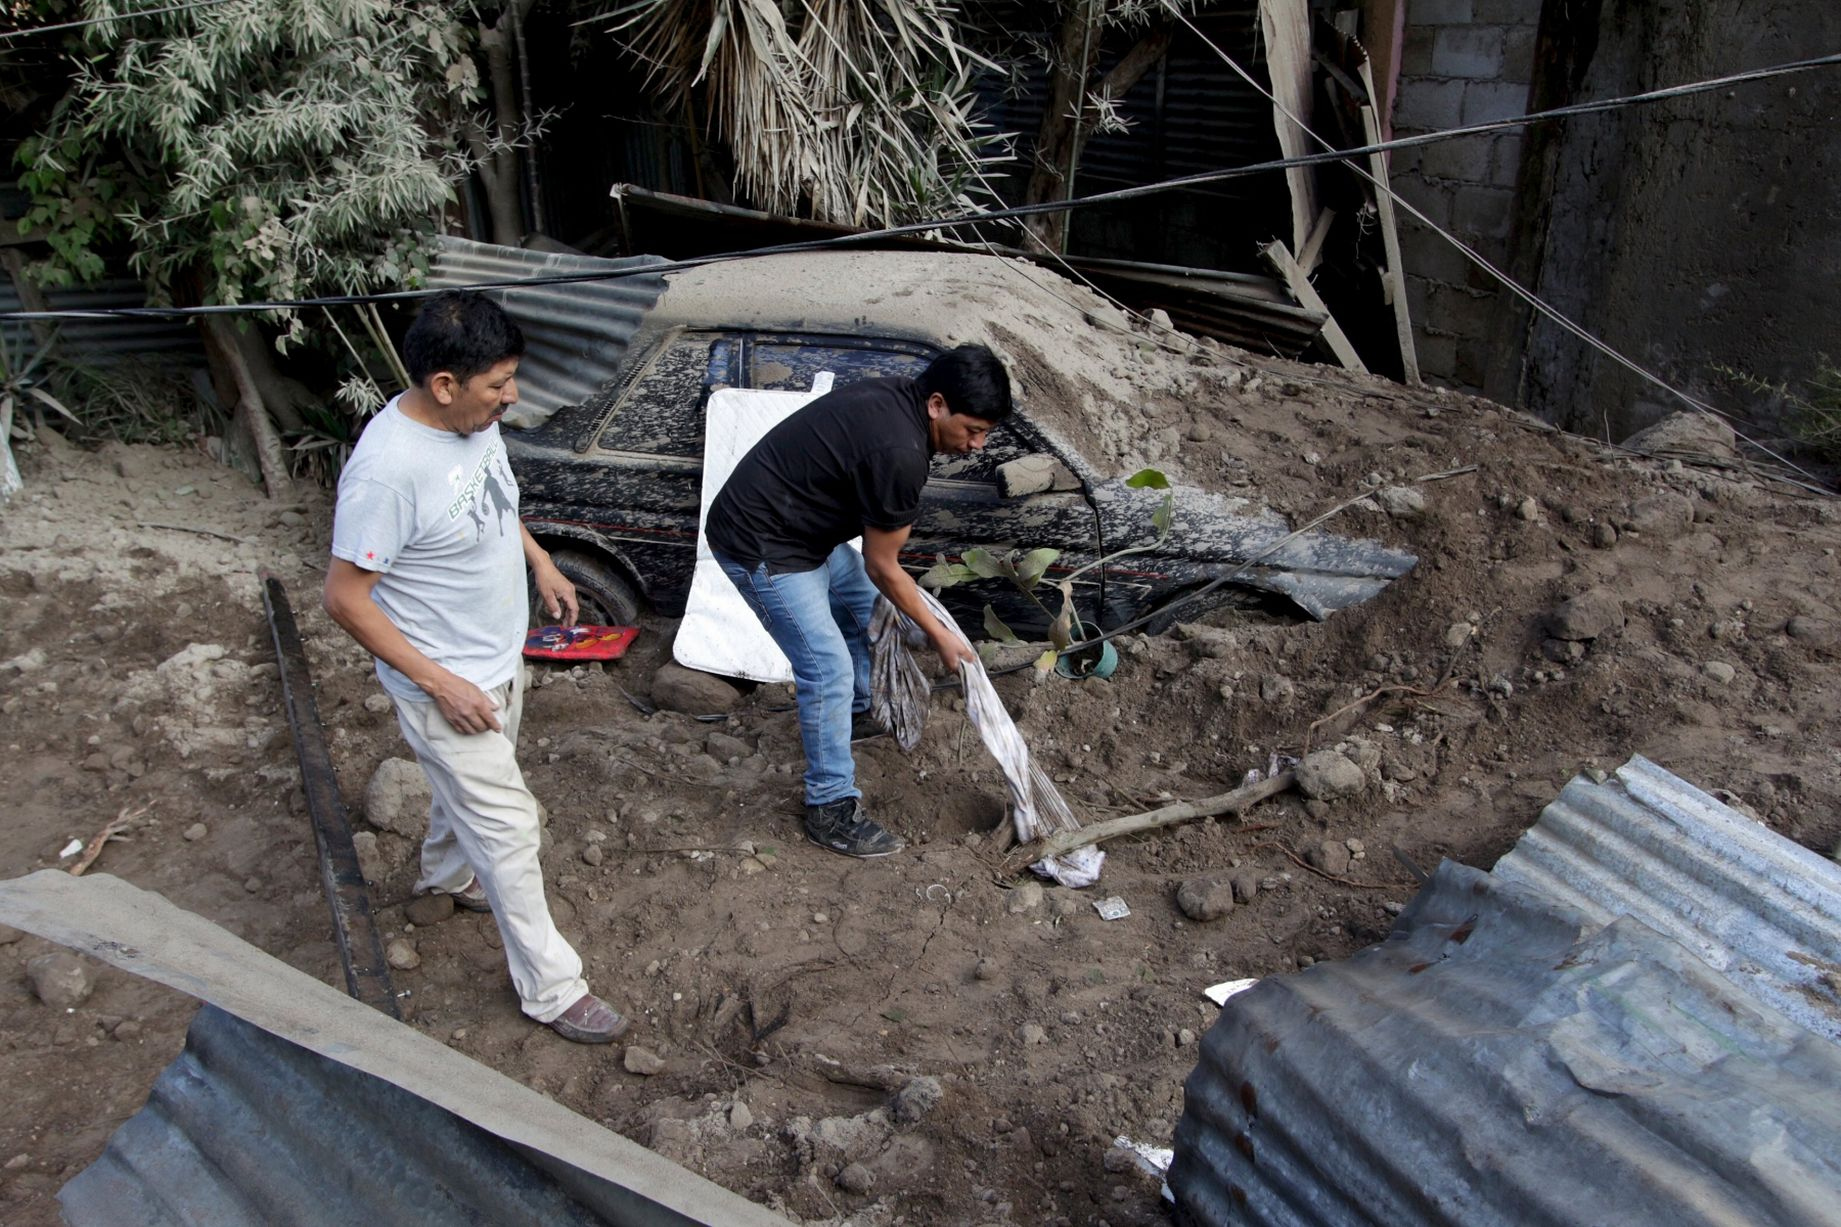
x=484 y=822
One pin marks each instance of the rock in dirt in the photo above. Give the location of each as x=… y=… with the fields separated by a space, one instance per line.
x=1032 y=1033
x=426 y=910
x=1719 y=672
x=855 y=1178
x=1208 y=642
x=642 y=1061
x=593 y=854
x=1025 y=898
x=1813 y=632
x=916 y=1098
x=59 y=979
x=722 y=747
x=741 y=1117
x=1246 y=886
x=195 y=832
x=1685 y=434
x=694 y=693
x=1664 y=515
x=1332 y=856
x=1326 y=775
x=26 y=662
x=377 y=704
x=402 y=956
x=1275 y=688
x=370 y=856
x=1586 y=615
x=1205 y=899
x=1401 y=502
x=397 y=797
x=1603 y=535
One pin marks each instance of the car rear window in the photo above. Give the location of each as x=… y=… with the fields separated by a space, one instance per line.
x=791 y=366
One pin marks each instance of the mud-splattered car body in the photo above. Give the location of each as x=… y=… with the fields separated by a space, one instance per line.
x=618 y=479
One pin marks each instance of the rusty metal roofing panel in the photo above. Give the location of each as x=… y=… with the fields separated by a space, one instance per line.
x=295 y=1106
x=1522 y=1057
x=575 y=333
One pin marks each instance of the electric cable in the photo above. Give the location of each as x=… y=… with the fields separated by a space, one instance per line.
x=946 y=223
x=1470 y=253
x=28 y=31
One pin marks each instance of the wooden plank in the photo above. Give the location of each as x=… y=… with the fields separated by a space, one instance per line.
x=1395 y=275
x=1279 y=257
x=1313 y=246
x=1285 y=25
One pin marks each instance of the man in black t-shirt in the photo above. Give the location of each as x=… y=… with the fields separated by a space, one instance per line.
x=852 y=463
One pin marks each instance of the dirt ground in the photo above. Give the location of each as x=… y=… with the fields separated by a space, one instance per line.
x=791 y=995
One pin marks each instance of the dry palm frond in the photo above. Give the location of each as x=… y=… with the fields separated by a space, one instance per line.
x=862 y=113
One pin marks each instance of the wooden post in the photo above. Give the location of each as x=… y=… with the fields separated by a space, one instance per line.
x=1279 y=257
x=1394 y=278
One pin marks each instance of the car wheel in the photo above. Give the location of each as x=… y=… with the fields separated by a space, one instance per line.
x=605 y=596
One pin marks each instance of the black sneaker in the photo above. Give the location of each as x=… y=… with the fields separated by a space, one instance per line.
x=864 y=726
x=844 y=828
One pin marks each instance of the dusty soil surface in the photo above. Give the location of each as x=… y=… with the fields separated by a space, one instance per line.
x=797 y=1003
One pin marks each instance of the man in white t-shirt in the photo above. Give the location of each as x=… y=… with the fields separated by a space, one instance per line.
x=427 y=572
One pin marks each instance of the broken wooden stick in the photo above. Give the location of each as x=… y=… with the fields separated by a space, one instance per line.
x=1235 y=802
x=93 y=849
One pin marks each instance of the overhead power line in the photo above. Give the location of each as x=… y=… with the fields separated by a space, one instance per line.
x=29 y=31
x=1539 y=304
x=974 y=219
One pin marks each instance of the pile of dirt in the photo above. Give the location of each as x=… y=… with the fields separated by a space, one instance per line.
x=919 y=1040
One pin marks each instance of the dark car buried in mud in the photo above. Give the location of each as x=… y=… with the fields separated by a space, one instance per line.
x=612 y=486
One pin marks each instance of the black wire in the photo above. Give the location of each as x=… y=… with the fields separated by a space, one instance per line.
x=1004 y=214
x=28 y=31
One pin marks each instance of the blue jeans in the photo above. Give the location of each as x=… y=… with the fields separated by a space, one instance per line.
x=820 y=619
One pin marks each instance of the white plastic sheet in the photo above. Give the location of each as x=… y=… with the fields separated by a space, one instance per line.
x=719 y=633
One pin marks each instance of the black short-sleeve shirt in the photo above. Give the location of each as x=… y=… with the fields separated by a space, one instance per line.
x=853 y=459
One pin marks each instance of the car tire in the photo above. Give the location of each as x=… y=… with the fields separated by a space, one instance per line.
x=605 y=596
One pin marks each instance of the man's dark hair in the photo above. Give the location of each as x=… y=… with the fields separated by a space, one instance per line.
x=972 y=380
x=462 y=333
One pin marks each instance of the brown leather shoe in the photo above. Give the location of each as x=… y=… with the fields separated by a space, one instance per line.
x=589 y=1021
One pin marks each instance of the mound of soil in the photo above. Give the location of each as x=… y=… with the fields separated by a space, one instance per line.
x=919 y=1040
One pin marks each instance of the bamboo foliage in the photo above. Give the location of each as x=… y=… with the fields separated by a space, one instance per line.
x=853 y=111
x=268 y=149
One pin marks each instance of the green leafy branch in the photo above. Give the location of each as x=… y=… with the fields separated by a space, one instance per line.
x=1026 y=569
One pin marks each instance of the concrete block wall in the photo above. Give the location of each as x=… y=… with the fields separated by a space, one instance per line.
x=1463 y=62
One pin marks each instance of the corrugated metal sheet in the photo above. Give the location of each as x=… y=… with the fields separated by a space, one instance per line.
x=575 y=333
x=1747 y=901
x=1612 y=1052
x=104 y=341
x=295 y=1106
x=244 y=1127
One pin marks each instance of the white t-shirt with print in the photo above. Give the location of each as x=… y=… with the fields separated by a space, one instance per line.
x=436 y=514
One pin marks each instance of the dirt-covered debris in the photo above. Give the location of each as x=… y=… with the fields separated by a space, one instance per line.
x=916 y=1039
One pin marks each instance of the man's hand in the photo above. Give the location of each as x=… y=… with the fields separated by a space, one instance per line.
x=953 y=651
x=464 y=705
x=555 y=591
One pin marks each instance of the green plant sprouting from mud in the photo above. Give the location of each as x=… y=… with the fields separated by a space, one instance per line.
x=1026 y=570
